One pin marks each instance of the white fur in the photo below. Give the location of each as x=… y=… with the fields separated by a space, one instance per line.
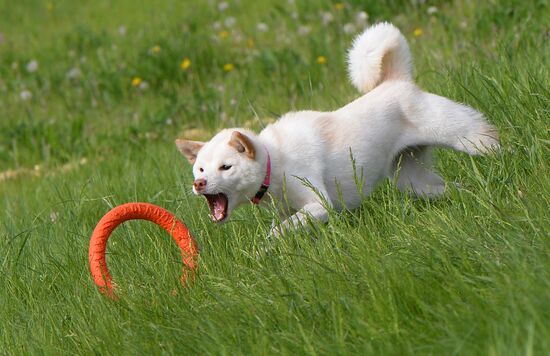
x=380 y=53
x=389 y=132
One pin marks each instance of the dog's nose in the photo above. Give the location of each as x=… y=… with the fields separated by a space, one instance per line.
x=199 y=184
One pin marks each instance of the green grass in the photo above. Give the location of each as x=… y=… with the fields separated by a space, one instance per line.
x=465 y=274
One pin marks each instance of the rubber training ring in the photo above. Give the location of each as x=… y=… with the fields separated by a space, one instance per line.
x=138 y=211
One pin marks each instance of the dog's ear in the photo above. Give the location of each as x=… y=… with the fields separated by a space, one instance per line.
x=242 y=144
x=189 y=149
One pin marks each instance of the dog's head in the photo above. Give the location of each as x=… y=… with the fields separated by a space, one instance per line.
x=228 y=169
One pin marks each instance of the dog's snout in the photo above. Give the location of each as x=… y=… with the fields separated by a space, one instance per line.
x=199 y=184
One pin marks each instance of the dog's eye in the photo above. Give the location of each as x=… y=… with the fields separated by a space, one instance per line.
x=225 y=167
x=201 y=170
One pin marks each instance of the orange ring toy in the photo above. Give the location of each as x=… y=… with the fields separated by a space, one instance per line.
x=141 y=211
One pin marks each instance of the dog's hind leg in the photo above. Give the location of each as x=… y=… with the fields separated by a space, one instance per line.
x=440 y=121
x=413 y=167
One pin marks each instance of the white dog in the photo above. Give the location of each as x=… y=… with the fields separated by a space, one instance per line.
x=310 y=160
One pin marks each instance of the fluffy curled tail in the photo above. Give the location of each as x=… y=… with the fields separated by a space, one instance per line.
x=378 y=54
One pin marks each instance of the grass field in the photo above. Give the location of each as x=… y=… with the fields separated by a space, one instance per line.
x=92 y=96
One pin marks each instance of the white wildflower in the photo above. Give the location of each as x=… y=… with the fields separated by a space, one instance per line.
x=233 y=102
x=294 y=15
x=32 y=66
x=349 y=28
x=74 y=73
x=25 y=95
x=169 y=121
x=361 y=19
x=217 y=25
x=326 y=18
x=432 y=10
x=230 y=21
x=262 y=27
x=143 y=85
x=222 y=6
x=14 y=65
x=54 y=215
x=122 y=30
x=238 y=37
x=304 y=30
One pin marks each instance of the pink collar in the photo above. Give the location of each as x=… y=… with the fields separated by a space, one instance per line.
x=265 y=185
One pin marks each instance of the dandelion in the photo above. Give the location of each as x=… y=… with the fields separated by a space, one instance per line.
x=418 y=32
x=25 y=95
x=222 y=6
x=136 y=81
x=143 y=85
x=155 y=49
x=321 y=60
x=304 y=30
x=32 y=66
x=217 y=25
x=74 y=73
x=228 y=67
x=361 y=19
x=185 y=64
x=339 y=6
x=262 y=27
x=326 y=18
x=349 y=28
x=223 y=34
x=432 y=10
x=229 y=22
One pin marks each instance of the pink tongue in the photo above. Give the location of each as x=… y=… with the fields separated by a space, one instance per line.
x=219 y=208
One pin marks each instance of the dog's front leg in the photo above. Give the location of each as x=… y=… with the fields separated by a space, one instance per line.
x=313 y=211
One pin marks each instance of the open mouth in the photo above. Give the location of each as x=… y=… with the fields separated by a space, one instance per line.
x=218 y=206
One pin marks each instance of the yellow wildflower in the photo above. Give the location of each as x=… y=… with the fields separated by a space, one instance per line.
x=136 y=81
x=339 y=6
x=250 y=43
x=321 y=59
x=228 y=67
x=417 y=32
x=155 y=49
x=49 y=6
x=185 y=64
x=223 y=34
